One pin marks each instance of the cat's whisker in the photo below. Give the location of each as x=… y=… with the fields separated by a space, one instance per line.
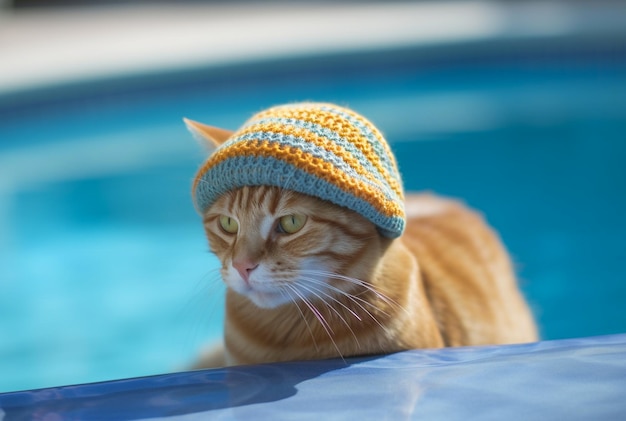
x=318 y=315
x=286 y=291
x=323 y=284
x=356 y=300
x=349 y=279
x=368 y=286
x=313 y=290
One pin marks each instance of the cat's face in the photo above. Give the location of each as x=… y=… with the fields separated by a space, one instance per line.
x=277 y=246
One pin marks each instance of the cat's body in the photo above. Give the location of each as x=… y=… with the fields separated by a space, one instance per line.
x=373 y=272
x=446 y=282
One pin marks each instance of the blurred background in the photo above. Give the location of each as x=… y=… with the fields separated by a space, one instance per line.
x=517 y=107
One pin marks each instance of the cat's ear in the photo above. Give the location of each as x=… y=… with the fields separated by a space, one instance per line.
x=208 y=136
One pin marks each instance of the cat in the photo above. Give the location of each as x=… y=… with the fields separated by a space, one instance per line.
x=311 y=279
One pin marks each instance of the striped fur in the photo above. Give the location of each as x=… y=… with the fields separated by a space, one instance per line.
x=338 y=288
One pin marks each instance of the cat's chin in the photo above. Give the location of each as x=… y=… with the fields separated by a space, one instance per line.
x=266 y=299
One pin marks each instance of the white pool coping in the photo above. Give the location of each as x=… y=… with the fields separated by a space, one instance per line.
x=47 y=47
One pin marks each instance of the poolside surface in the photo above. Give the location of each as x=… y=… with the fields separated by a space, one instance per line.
x=575 y=379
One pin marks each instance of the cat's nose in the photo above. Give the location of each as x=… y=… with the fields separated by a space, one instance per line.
x=245 y=268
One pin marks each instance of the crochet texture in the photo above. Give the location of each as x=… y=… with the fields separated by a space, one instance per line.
x=322 y=150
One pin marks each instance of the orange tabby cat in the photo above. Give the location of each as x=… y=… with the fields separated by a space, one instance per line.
x=310 y=279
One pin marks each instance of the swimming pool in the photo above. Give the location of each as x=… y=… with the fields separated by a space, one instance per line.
x=105 y=272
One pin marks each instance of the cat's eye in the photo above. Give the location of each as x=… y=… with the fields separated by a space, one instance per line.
x=290 y=224
x=228 y=224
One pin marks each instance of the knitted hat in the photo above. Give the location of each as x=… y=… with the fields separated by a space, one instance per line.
x=321 y=150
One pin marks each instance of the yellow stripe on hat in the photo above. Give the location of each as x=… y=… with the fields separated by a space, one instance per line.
x=308 y=163
x=326 y=144
x=347 y=131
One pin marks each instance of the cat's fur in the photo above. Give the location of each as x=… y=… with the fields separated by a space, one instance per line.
x=337 y=288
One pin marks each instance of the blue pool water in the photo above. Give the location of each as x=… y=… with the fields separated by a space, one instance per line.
x=104 y=270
